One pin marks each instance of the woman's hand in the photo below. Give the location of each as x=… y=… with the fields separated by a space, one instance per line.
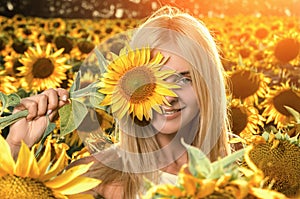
x=31 y=128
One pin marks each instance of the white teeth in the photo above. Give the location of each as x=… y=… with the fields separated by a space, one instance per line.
x=169 y=112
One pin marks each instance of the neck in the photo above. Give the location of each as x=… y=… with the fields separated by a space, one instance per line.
x=173 y=153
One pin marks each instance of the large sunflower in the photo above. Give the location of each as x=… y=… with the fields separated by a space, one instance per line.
x=248 y=85
x=42 y=70
x=31 y=178
x=133 y=84
x=278 y=158
x=275 y=102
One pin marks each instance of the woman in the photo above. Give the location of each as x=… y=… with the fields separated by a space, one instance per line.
x=198 y=112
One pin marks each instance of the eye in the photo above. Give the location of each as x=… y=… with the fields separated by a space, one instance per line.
x=183 y=81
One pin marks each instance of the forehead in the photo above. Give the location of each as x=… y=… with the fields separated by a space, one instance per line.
x=175 y=61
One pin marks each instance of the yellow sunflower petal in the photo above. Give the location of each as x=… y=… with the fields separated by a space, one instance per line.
x=57 y=167
x=81 y=196
x=68 y=176
x=25 y=162
x=45 y=159
x=78 y=185
x=264 y=193
x=7 y=162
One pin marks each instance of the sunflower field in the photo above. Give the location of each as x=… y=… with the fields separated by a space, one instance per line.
x=261 y=57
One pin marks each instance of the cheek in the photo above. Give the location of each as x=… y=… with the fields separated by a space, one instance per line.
x=189 y=99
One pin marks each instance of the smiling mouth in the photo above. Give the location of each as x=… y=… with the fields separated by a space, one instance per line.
x=170 y=111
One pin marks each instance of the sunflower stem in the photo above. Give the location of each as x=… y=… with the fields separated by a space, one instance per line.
x=83 y=92
x=8 y=120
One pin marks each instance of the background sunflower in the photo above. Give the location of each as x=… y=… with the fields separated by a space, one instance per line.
x=274 y=104
x=42 y=69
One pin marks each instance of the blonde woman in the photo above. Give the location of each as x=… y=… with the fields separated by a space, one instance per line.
x=153 y=149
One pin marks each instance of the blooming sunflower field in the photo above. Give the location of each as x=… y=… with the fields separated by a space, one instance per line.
x=261 y=57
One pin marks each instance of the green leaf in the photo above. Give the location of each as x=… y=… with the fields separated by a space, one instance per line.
x=71 y=116
x=76 y=82
x=199 y=164
x=51 y=126
x=13 y=99
x=101 y=60
x=8 y=120
x=95 y=99
x=9 y=100
x=219 y=165
x=3 y=99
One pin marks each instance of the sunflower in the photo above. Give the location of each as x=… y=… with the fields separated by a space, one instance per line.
x=82 y=49
x=29 y=178
x=8 y=84
x=262 y=32
x=246 y=119
x=248 y=85
x=284 y=50
x=287 y=49
x=133 y=84
x=56 y=24
x=20 y=45
x=278 y=158
x=276 y=99
x=5 y=42
x=42 y=70
x=29 y=31
x=12 y=63
x=64 y=42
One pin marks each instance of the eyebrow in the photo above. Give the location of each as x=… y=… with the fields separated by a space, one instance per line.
x=184 y=73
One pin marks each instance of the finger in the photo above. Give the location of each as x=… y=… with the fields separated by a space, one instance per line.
x=63 y=96
x=42 y=104
x=52 y=100
x=53 y=115
x=31 y=106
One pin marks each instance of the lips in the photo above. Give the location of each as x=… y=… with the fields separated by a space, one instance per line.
x=170 y=111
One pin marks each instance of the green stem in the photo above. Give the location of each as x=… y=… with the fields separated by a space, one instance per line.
x=8 y=120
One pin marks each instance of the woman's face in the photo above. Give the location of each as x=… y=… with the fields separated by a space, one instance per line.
x=184 y=108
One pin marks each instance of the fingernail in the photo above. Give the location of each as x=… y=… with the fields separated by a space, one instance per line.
x=49 y=112
x=64 y=98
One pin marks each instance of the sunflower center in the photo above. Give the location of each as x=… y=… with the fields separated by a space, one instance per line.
x=19 y=46
x=286 y=98
x=64 y=42
x=15 y=187
x=280 y=163
x=42 y=68
x=239 y=120
x=287 y=50
x=85 y=46
x=261 y=33
x=137 y=84
x=243 y=86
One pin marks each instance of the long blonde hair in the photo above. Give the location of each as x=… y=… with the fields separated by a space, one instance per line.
x=193 y=42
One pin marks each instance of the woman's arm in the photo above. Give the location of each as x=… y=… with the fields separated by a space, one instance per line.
x=41 y=108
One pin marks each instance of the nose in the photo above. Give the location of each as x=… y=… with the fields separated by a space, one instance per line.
x=171 y=100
